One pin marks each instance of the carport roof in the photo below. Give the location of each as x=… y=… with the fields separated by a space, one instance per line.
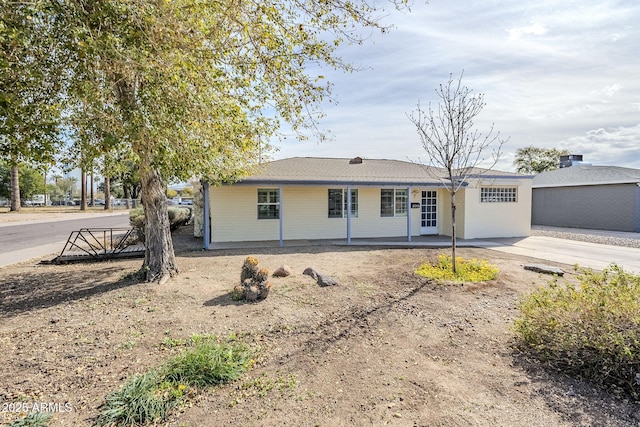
x=580 y=175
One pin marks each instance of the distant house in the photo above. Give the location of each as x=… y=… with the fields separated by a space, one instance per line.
x=336 y=198
x=585 y=196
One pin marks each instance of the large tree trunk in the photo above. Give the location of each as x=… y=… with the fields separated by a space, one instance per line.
x=15 y=188
x=127 y=196
x=107 y=193
x=92 y=201
x=159 y=258
x=83 y=191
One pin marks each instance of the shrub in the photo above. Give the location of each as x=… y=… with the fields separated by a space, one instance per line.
x=178 y=216
x=151 y=396
x=32 y=419
x=141 y=400
x=471 y=270
x=591 y=331
x=208 y=363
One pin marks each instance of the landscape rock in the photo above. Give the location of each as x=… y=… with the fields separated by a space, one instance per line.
x=283 y=271
x=546 y=269
x=310 y=272
x=322 y=279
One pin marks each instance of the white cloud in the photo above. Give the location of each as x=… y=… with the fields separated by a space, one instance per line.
x=535 y=29
x=608 y=91
x=553 y=74
x=617 y=146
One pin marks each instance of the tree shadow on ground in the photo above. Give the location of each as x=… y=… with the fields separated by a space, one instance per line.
x=48 y=287
x=226 y=300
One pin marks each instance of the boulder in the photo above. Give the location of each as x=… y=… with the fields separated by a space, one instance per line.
x=322 y=279
x=283 y=271
x=546 y=269
x=311 y=272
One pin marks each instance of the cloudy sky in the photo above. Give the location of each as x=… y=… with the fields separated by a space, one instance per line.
x=562 y=74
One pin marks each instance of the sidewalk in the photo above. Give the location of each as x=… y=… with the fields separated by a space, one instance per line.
x=21 y=218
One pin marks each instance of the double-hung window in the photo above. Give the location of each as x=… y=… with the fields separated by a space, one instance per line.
x=393 y=202
x=338 y=203
x=268 y=203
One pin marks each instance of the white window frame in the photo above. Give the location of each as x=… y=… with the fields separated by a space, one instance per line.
x=270 y=202
x=343 y=203
x=400 y=202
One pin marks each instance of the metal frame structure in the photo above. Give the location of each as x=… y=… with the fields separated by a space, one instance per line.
x=98 y=244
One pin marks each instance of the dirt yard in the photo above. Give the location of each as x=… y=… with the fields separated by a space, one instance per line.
x=385 y=347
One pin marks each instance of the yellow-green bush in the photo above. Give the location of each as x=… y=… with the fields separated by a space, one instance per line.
x=591 y=331
x=472 y=270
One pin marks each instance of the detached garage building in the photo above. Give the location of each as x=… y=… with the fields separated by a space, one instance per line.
x=586 y=196
x=306 y=198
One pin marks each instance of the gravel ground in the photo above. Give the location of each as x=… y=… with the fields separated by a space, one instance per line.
x=615 y=238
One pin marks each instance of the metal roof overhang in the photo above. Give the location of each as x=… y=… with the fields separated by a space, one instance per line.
x=343 y=183
x=586 y=184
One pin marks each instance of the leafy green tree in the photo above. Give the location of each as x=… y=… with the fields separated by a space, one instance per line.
x=67 y=186
x=5 y=180
x=31 y=68
x=191 y=88
x=32 y=181
x=533 y=160
x=451 y=142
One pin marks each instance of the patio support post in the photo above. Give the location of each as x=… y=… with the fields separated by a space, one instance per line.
x=206 y=235
x=348 y=214
x=409 y=214
x=281 y=243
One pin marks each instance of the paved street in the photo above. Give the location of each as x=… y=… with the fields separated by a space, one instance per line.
x=21 y=241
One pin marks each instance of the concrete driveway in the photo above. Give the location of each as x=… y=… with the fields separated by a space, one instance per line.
x=592 y=255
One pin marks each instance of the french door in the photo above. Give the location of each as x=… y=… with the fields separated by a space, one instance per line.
x=429 y=212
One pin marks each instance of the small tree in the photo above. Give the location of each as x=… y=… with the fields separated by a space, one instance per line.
x=534 y=160
x=451 y=142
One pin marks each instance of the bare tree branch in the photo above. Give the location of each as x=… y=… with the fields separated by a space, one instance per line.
x=451 y=142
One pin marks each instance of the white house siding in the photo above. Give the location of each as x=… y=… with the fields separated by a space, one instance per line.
x=444 y=212
x=369 y=222
x=499 y=219
x=305 y=214
x=234 y=216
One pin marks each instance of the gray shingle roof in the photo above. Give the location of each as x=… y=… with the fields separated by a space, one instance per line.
x=586 y=175
x=319 y=170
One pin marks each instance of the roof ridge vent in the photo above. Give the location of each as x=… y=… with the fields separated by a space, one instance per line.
x=355 y=161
